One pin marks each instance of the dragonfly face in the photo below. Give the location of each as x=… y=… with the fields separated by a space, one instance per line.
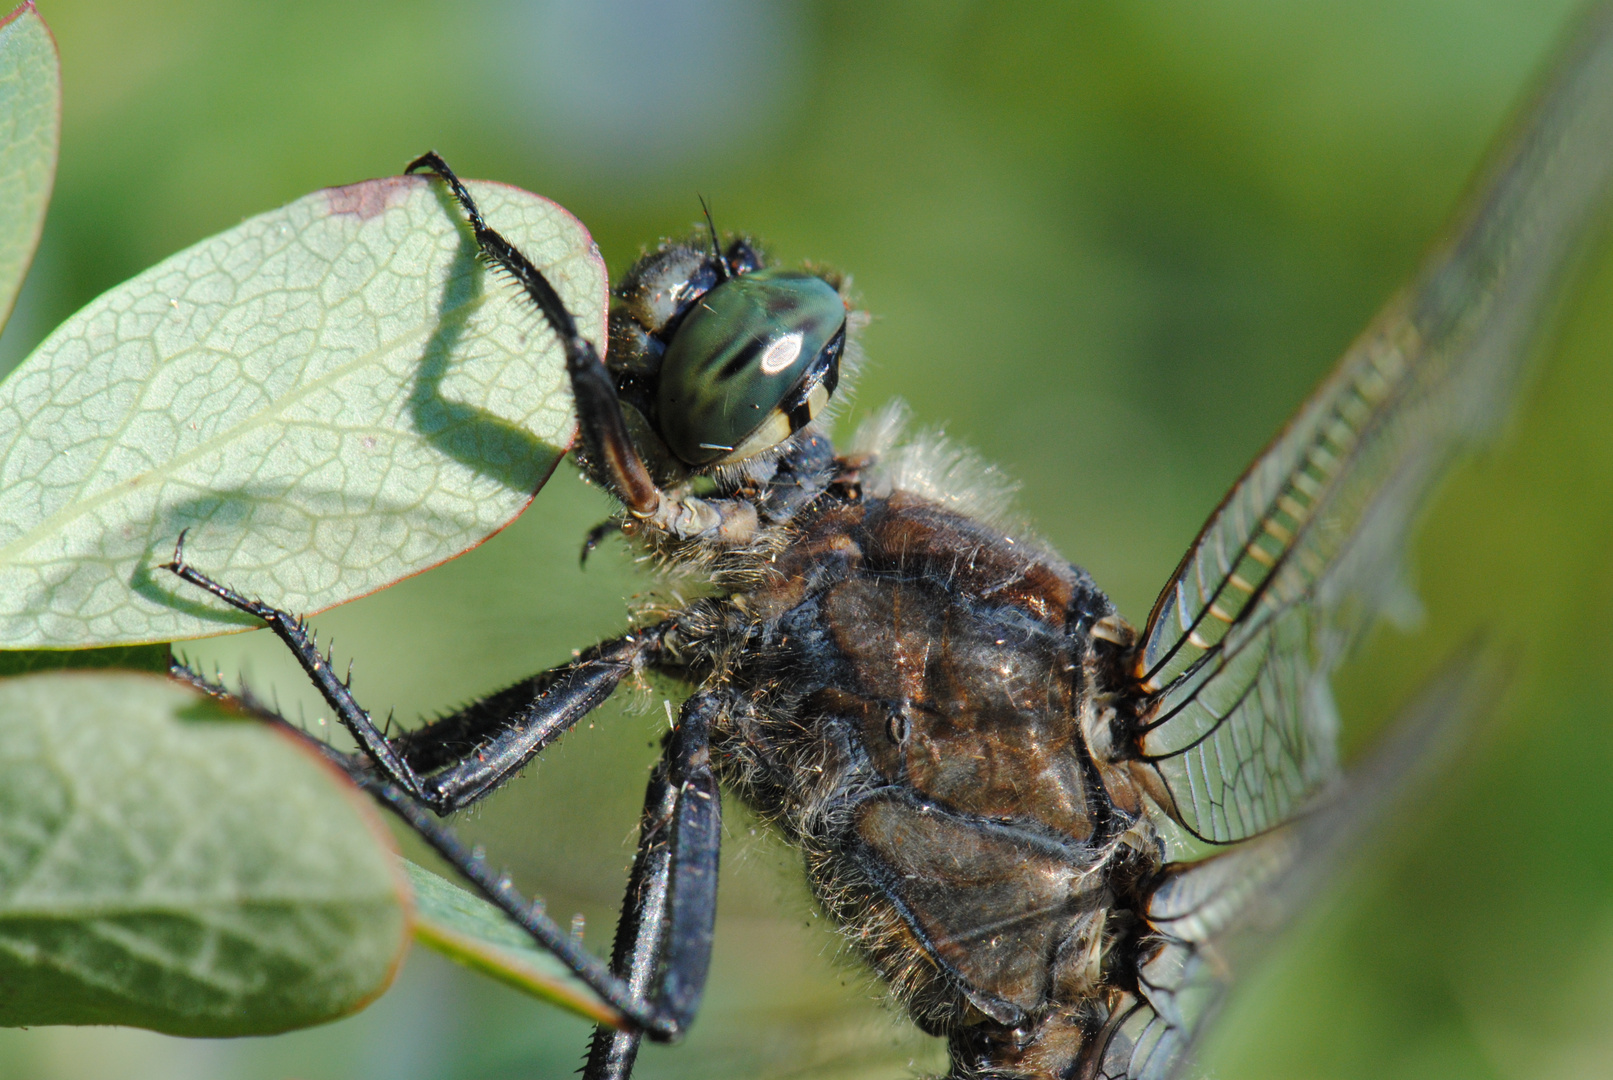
x=722 y=359
x=975 y=754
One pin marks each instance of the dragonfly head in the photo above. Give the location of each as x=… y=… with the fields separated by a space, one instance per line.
x=722 y=358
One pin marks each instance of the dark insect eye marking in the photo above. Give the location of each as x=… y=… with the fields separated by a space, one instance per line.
x=800 y=415
x=798 y=406
x=741 y=360
x=837 y=345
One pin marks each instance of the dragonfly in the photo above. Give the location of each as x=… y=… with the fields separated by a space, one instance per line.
x=1055 y=836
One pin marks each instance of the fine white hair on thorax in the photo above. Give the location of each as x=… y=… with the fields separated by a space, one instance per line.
x=930 y=465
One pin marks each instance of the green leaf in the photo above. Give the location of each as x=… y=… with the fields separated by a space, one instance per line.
x=30 y=127
x=166 y=865
x=470 y=931
x=330 y=397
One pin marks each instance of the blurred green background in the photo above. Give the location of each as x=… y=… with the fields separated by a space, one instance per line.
x=1109 y=245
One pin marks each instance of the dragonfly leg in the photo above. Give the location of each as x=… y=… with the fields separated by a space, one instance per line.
x=450 y=763
x=610 y=448
x=670 y=906
x=636 y=1012
x=598 y=411
x=455 y=760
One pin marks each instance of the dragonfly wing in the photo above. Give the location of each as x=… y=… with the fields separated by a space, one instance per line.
x=1306 y=549
x=1214 y=918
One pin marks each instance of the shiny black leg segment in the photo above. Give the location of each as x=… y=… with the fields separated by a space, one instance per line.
x=471 y=752
x=663 y=949
x=496 y=887
x=599 y=413
x=642 y=928
x=663 y=943
x=696 y=840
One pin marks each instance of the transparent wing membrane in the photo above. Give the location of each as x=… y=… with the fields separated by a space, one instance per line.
x=1214 y=918
x=1138 y=1044
x=1305 y=550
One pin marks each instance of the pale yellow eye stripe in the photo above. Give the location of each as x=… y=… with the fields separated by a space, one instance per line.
x=817 y=399
x=776 y=428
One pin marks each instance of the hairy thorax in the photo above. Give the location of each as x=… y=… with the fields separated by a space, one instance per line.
x=908 y=686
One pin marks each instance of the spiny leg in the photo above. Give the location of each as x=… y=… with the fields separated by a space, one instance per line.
x=636 y=1010
x=599 y=411
x=595 y=536
x=510 y=726
x=663 y=941
x=469 y=753
x=450 y=763
x=642 y=927
x=291 y=630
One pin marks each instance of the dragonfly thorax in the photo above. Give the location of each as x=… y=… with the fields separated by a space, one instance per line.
x=911 y=718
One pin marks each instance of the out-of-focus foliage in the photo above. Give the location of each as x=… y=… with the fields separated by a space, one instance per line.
x=30 y=122
x=172 y=866
x=1110 y=245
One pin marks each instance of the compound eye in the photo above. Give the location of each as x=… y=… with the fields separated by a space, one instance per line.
x=754 y=361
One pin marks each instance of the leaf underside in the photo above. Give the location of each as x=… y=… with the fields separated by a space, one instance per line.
x=472 y=932
x=329 y=397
